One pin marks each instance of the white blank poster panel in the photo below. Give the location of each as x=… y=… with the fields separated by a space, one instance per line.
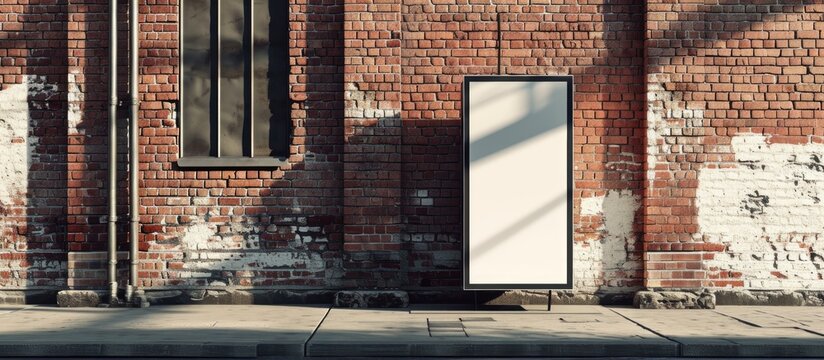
x=518 y=184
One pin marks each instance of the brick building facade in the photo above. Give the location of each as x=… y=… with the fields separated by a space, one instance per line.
x=698 y=147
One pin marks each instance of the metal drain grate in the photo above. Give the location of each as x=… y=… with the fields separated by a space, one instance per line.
x=474 y=319
x=579 y=319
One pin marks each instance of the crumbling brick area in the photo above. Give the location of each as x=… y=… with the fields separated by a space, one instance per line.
x=697 y=145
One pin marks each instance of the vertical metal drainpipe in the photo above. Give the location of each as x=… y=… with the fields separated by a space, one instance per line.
x=112 y=219
x=134 y=162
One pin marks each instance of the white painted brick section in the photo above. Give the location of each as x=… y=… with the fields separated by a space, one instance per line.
x=26 y=268
x=768 y=212
x=225 y=251
x=16 y=142
x=362 y=104
x=75 y=98
x=604 y=263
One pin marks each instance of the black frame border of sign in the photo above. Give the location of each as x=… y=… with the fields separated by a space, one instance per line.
x=568 y=79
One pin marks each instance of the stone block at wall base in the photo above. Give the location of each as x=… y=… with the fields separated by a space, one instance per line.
x=79 y=298
x=674 y=300
x=372 y=299
x=709 y=298
x=770 y=297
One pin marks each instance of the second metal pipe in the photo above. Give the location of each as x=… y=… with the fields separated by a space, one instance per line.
x=112 y=218
x=134 y=161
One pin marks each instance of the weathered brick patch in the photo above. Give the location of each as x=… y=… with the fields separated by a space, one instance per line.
x=611 y=262
x=217 y=250
x=762 y=212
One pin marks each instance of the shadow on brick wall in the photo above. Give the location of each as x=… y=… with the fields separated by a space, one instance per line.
x=621 y=97
x=317 y=93
x=60 y=153
x=88 y=141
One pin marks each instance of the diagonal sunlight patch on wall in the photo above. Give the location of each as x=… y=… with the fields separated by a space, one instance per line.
x=522 y=119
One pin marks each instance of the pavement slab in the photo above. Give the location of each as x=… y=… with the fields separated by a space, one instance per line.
x=172 y=331
x=288 y=332
x=801 y=317
x=731 y=332
x=565 y=331
x=762 y=316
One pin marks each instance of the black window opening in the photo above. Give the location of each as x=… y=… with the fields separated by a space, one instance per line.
x=234 y=101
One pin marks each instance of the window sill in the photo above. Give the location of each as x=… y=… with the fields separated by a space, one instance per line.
x=230 y=162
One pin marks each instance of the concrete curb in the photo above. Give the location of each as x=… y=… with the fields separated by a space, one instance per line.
x=491 y=349
x=129 y=350
x=754 y=350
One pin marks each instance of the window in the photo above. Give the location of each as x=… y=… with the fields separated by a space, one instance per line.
x=234 y=101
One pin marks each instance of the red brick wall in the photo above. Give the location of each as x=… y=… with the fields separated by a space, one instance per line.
x=371 y=196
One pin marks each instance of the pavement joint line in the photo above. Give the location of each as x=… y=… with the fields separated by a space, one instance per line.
x=680 y=345
x=740 y=320
x=314 y=331
x=505 y=312
x=782 y=316
x=18 y=310
x=811 y=331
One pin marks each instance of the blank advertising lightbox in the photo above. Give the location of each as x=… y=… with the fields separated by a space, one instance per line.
x=517 y=182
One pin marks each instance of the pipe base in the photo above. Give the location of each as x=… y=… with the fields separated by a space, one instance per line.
x=113 y=293
x=129 y=293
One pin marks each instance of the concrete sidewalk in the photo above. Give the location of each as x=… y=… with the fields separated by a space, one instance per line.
x=433 y=331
